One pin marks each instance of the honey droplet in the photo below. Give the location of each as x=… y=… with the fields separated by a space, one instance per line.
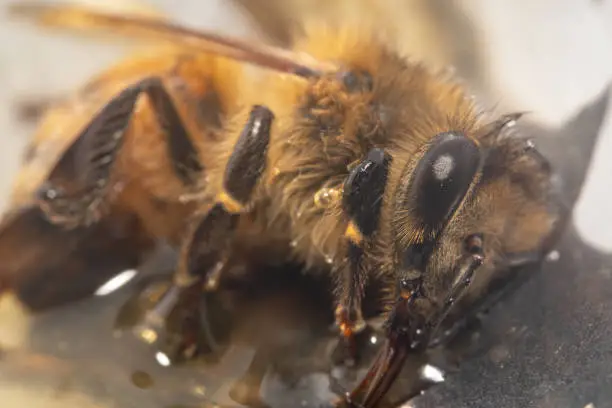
x=199 y=390
x=273 y=174
x=142 y=380
x=148 y=335
x=326 y=197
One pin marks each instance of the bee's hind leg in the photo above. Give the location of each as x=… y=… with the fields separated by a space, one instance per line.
x=207 y=245
x=78 y=189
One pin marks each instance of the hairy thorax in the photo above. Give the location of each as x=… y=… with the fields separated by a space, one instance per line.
x=324 y=127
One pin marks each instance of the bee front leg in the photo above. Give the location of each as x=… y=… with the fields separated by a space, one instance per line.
x=362 y=202
x=410 y=328
x=208 y=243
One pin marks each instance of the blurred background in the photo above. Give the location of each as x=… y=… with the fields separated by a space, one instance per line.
x=549 y=57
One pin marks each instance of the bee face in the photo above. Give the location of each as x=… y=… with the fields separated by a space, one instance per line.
x=489 y=184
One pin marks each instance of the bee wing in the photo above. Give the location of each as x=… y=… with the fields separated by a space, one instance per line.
x=152 y=29
x=276 y=19
x=424 y=30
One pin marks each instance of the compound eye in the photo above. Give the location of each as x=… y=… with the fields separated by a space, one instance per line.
x=441 y=180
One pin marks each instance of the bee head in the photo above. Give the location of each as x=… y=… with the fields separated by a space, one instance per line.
x=491 y=186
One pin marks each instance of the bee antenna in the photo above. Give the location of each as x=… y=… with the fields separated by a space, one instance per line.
x=84 y=19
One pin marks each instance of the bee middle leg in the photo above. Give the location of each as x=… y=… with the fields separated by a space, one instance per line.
x=206 y=246
x=362 y=202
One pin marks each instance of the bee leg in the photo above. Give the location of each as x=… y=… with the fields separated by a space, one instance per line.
x=410 y=328
x=245 y=390
x=79 y=186
x=209 y=241
x=362 y=202
x=183 y=154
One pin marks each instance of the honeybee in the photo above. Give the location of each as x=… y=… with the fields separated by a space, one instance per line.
x=339 y=153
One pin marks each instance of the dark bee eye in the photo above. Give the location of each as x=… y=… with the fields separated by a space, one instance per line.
x=441 y=180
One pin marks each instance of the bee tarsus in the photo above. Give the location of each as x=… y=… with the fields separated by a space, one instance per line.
x=246 y=389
